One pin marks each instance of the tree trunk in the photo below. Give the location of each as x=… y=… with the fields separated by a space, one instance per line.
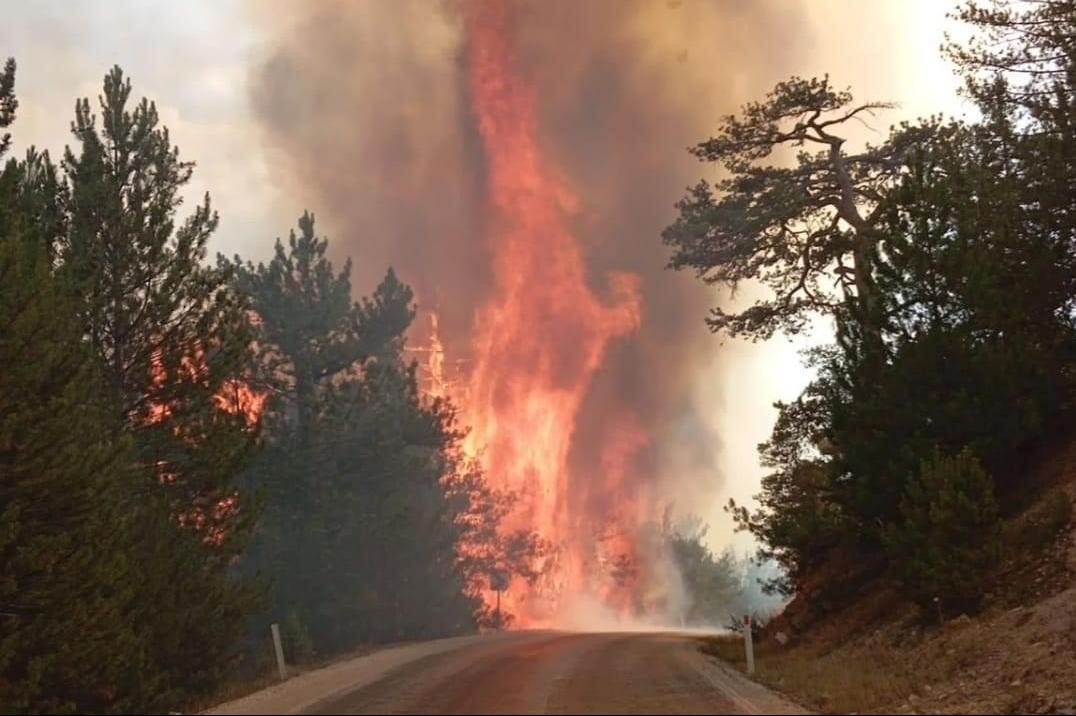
x=863 y=244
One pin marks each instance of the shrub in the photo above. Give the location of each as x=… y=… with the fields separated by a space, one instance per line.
x=949 y=534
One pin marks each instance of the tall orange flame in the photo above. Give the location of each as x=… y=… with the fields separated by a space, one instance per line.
x=542 y=335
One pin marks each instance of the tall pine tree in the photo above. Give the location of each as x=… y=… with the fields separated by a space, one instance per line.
x=68 y=512
x=360 y=530
x=171 y=337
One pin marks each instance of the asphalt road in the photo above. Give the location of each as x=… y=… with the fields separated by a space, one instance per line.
x=558 y=673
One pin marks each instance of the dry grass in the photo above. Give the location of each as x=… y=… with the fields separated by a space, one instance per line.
x=1005 y=660
x=1038 y=526
x=844 y=681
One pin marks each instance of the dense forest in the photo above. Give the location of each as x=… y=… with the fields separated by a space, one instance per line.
x=192 y=450
x=945 y=256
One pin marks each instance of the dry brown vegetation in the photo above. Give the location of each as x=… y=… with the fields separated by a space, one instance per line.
x=841 y=681
x=879 y=654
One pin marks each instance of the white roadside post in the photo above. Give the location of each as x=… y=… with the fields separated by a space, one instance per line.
x=748 y=644
x=279 y=653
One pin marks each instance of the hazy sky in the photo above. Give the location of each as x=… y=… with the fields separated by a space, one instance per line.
x=196 y=59
x=192 y=58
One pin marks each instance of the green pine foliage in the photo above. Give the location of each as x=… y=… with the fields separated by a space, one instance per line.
x=362 y=502
x=799 y=516
x=713 y=584
x=120 y=514
x=170 y=334
x=948 y=538
x=134 y=550
x=953 y=275
x=66 y=507
x=69 y=574
x=8 y=103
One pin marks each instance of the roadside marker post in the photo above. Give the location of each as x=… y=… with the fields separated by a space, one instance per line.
x=749 y=644
x=498 y=582
x=279 y=653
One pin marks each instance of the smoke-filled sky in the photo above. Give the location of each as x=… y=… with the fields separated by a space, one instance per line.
x=360 y=111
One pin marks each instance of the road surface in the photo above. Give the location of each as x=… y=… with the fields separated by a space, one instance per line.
x=525 y=672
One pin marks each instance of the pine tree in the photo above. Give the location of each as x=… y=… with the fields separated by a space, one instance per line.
x=388 y=464
x=713 y=586
x=169 y=332
x=310 y=329
x=66 y=507
x=36 y=200
x=1020 y=68
x=8 y=103
x=799 y=515
x=949 y=536
x=488 y=554
x=797 y=230
x=170 y=336
x=357 y=459
x=64 y=484
x=951 y=248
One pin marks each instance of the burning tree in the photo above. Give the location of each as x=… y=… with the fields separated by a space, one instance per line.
x=490 y=556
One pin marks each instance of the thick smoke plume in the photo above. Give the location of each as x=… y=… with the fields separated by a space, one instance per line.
x=370 y=111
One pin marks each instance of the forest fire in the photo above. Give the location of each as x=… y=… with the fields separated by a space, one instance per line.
x=234 y=395
x=516 y=163
x=239 y=398
x=537 y=343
